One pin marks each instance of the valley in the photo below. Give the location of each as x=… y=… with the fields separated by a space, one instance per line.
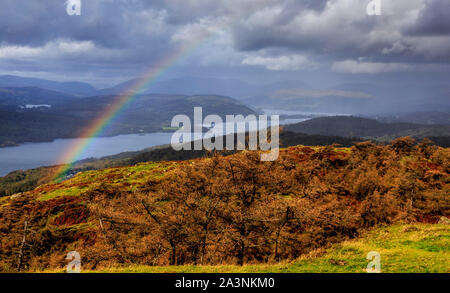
x=341 y=183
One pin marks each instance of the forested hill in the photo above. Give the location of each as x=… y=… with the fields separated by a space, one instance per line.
x=71 y=87
x=19 y=97
x=256 y=212
x=147 y=113
x=349 y=126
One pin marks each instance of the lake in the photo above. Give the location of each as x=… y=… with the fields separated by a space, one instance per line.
x=34 y=155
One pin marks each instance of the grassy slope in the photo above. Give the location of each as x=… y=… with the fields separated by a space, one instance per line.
x=415 y=248
x=122 y=178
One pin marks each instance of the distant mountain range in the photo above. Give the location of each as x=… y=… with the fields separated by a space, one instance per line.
x=200 y=85
x=72 y=88
x=345 y=98
x=429 y=118
x=358 y=98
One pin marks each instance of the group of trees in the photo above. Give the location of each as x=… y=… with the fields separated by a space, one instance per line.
x=237 y=209
x=22 y=181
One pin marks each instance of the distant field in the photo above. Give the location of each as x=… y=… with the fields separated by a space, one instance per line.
x=415 y=248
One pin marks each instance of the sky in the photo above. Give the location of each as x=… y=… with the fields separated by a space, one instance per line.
x=318 y=41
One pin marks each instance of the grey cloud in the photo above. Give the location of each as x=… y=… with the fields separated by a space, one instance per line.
x=434 y=19
x=108 y=23
x=129 y=35
x=292 y=8
x=304 y=27
x=342 y=30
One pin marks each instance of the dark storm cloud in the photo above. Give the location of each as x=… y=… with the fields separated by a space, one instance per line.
x=306 y=28
x=40 y=36
x=434 y=19
x=298 y=25
x=342 y=29
x=127 y=35
x=110 y=24
x=293 y=7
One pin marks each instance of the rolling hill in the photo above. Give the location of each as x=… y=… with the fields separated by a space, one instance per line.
x=147 y=113
x=18 y=126
x=26 y=180
x=21 y=96
x=259 y=213
x=405 y=248
x=428 y=118
x=364 y=128
x=72 y=88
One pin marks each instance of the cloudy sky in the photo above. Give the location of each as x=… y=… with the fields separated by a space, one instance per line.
x=256 y=40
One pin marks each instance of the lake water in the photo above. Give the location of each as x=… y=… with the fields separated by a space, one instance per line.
x=34 y=155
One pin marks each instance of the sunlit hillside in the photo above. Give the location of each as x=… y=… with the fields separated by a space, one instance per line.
x=236 y=210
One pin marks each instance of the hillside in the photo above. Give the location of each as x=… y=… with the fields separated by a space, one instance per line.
x=10 y=96
x=71 y=88
x=25 y=180
x=228 y=210
x=404 y=248
x=17 y=127
x=429 y=118
x=149 y=113
x=348 y=126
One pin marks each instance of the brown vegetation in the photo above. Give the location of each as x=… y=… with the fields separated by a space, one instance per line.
x=234 y=209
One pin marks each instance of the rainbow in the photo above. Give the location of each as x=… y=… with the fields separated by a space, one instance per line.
x=66 y=161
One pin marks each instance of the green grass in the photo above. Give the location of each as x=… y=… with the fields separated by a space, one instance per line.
x=125 y=178
x=416 y=248
x=71 y=191
x=4 y=201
